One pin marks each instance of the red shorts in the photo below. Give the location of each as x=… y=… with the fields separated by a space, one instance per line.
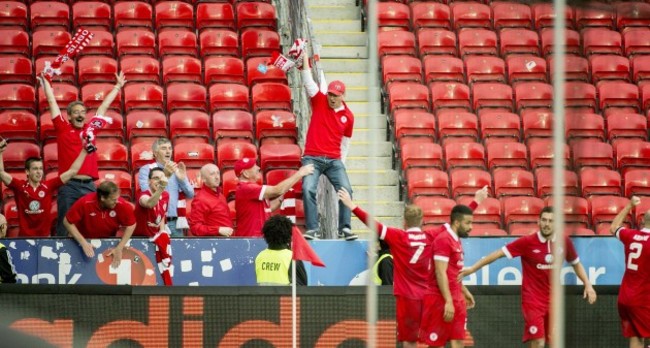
x=435 y=331
x=409 y=315
x=635 y=320
x=536 y=321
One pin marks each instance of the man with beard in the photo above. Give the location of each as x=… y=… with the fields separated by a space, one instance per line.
x=34 y=195
x=536 y=252
x=69 y=133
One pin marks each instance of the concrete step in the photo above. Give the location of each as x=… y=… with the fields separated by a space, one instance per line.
x=360 y=148
x=347 y=11
x=344 y=65
x=362 y=230
x=367 y=135
x=332 y=2
x=382 y=193
x=342 y=38
x=363 y=162
x=360 y=177
x=363 y=107
x=365 y=121
x=354 y=93
x=383 y=208
x=344 y=52
x=335 y=25
x=356 y=79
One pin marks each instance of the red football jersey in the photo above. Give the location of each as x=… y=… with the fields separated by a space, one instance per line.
x=635 y=287
x=252 y=209
x=447 y=247
x=327 y=128
x=412 y=252
x=95 y=222
x=536 y=263
x=69 y=145
x=34 y=206
x=148 y=218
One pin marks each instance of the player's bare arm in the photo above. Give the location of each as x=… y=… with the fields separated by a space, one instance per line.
x=443 y=285
x=495 y=255
x=87 y=248
x=589 y=293
x=76 y=165
x=110 y=97
x=620 y=217
x=49 y=94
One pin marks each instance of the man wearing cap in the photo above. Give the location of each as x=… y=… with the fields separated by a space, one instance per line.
x=254 y=202
x=328 y=138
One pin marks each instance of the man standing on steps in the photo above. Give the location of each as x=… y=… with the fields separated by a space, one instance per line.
x=326 y=146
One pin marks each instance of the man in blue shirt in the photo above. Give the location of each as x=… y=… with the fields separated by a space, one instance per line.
x=178 y=182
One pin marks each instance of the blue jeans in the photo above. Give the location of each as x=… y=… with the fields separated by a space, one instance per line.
x=172 y=229
x=335 y=172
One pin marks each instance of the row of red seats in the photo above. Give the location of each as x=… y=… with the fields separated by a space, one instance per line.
x=514 y=69
x=220 y=42
x=96 y=14
x=89 y=69
x=473 y=41
x=499 y=15
x=175 y=96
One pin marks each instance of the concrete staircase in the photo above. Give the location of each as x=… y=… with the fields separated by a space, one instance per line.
x=344 y=53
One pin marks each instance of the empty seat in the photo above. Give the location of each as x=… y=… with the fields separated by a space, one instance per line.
x=580 y=126
x=511 y=15
x=636 y=41
x=426 y=182
x=259 y=42
x=260 y=15
x=571 y=42
x=590 y=153
x=186 y=96
x=413 y=123
x=435 y=210
x=626 y=126
x=500 y=155
x=16 y=68
x=101 y=44
x=487 y=216
x=518 y=41
x=477 y=41
x=580 y=95
x=525 y=68
x=194 y=154
x=603 y=211
x=637 y=183
x=91 y=14
x=471 y=15
x=141 y=153
x=93 y=95
x=455 y=123
x=430 y=15
x=189 y=123
x=146 y=123
x=229 y=96
x=600 y=181
x=396 y=42
x=64 y=94
x=430 y=41
x=407 y=95
x=576 y=213
x=576 y=68
x=275 y=124
x=50 y=157
x=632 y=14
x=215 y=15
x=544 y=182
x=632 y=154
x=645 y=97
x=13 y=14
x=533 y=95
x=223 y=70
x=219 y=42
x=270 y=95
x=96 y=69
x=174 y=14
x=50 y=13
x=544 y=15
x=49 y=42
x=181 y=69
x=513 y=182
x=14 y=41
x=229 y=152
x=492 y=95
x=140 y=69
x=542 y=154
x=401 y=68
x=133 y=14
x=449 y=95
x=520 y=210
x=441 y=68
x=136 y=42
x=499 y=125
x=414 y=155
x=143 y=96
x=112 y=156
x=618 y=94
x=177 y=41
x=640 y=69
x=279 y=156
x=601 y=41
x=600 y=15
x=485 y=69
x=609 y=67
x=464 y=155
x=18 y=125
x=234 y=124
x=276 y=176
x=465 y=182
x=270 y=73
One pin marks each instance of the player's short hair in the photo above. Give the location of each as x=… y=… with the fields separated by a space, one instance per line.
x=546 y=210
x=73 y=104
x=153 y=170
x=106 y=188
x=277 y=231
x=459 y=211
x=413 y=215
x=29 y=161
x=158 y=142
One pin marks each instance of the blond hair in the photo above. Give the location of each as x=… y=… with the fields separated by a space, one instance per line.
x=413 y=216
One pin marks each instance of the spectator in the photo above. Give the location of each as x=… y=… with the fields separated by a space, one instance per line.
x=382 y=271
x=100 y=215
x=210 y=215
x=34 y=195
x=178 y=182
x=273 y=264
x=69 y=138
x=253 y=202
x=7 y=270
x=326 y=146
x=151 y=209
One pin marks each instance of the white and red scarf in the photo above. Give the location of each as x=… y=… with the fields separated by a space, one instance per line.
x=78 y=42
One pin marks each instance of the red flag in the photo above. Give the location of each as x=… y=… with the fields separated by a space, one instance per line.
x=302 y=250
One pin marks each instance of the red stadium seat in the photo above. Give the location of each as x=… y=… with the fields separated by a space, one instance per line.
x=518 y=41
x=194 y=154
x=601 y=41
x=544 y=180
x=645 y=96
x=513 y=182
x=177 y=41
x=13 y=14
x=609 y=67
x=259 y=42
x=576 y=212
x=50 y=157
x=454 y=123
x=525 y=68
x=50 y=13
x=49 y=42
x=449 y=95
x=441 y=68
x=181 y=69
x=141 y=154
x=11 y=213
x=511 y=15
x=626 y=126
x=18 y=125
x=64 y=94
x=96 y=69
x=436 y=210
x=412 y=123
x=270 y=95
x=174 y=14
x=275 y=124
x=14 y=41
x=603 y=211
x=219 y=42
x=229 y=187
x=471 y=15
x=140 y=69
x=487 y=216
x=632 y=154
x=228 y=153
x=637 y=183
x=477 y=41
x=143 y=96
x=601 y=15
x=119 y=177
x=581 y=126
x=136 y=42
x=276 y=176
x=68 y=71
x=430 y=41
x=501 y=155
x=521 y=211
x=16 y=69
x=146 y=123
x=257 y=15
x=542 y=154
x=393 y=16
x=225 y=96
x=101 y=44
x=279 y=156
x=223 y=70
x=636 y=41
x=640 y=210
x=112 y=156
x=215 y=15
x=402 y=69
x=590 y=153
x=189 y=123
x=576 y=68
x=426 y=182
x=133 y=14
x=632 y=14
x=479 y=230
x=465 y=182
x=234 y=124
x=46 y=131
x=492 y=95
x=504 y=126
x=426 y=155
x=271 y=74
x=396 y=42
x=580 y=95
x=91 y=15
x=640 y=69
x=533 y=95
x=618 y=94
x=112 y=132
x=409 y=95
x=464 y=155
x=485 y=69
x=93 y=95
x=430 y=15
x=572 y=42
x=600 y=181
x=544 y=15
x=186 y=96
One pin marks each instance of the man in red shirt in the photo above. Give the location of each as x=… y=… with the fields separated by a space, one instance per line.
x=69 y=139
x=634 y=293
x=210 y=215
x=326 y=146
x=151 y=209
x=34 y=195
x=536 y=252
x=100 y=215
x=254 y=202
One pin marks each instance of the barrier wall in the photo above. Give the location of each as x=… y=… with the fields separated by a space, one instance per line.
x=230 y=262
